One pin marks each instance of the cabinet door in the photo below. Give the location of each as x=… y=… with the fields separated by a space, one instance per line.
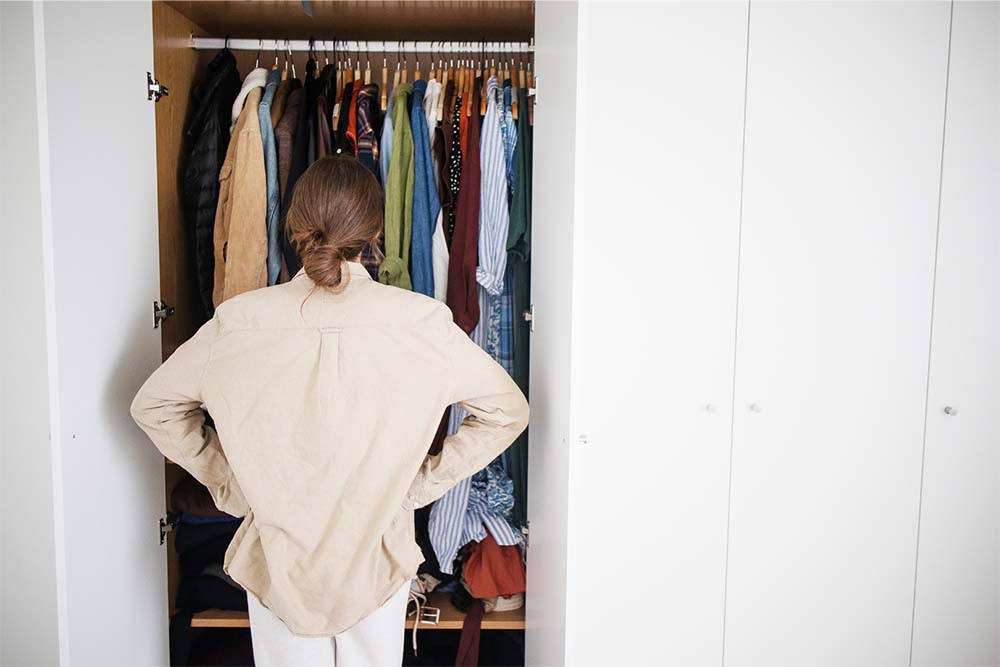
x=100 y=178
x=956 y=620
x=845 y=111
x=655 y=251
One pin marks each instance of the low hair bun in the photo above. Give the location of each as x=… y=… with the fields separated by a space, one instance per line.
x=324 y=265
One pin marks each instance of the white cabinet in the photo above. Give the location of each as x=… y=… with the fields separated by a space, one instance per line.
x=844 y=121
x=654 y=309
x=956 y=618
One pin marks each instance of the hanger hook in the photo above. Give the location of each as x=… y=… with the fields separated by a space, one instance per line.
x=260 y=46
x=288 y=56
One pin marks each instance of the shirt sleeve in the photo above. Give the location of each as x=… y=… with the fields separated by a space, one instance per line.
x=498 y=413
x=168 y=409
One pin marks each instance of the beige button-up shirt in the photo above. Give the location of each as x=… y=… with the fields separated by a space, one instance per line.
x=324 y=406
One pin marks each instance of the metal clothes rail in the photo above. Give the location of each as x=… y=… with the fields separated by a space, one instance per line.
x=362 y=46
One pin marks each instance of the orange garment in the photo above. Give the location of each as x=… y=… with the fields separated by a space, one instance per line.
x=493 y=570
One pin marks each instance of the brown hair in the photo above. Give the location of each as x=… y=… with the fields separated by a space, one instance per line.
x=336 y=212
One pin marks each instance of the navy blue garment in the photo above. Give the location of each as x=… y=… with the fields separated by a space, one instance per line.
x=426 y=204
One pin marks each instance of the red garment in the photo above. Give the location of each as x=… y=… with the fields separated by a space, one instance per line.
x=493 y=570
x=462 y=296
x=468 y=642
x=352 y=118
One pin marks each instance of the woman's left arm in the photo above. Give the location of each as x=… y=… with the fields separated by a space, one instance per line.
x=168 y=409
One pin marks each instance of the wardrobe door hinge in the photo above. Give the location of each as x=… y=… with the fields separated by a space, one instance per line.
x=168 y=523
x=529 y=317
x=161 y=311
x=154 y=89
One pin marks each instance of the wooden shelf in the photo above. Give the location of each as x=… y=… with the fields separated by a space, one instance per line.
x=451 y=618
x=504 y=20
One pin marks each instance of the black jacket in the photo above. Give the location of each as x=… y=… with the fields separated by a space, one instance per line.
x=208 y=134
x=300 y=158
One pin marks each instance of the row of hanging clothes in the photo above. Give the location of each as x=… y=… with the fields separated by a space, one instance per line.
x=449 y=138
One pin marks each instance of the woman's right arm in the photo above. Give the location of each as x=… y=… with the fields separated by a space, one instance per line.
x=498 y=413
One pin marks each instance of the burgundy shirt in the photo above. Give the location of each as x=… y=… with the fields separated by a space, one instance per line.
x=462 y=296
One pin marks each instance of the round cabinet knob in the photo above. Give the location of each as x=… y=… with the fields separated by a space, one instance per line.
x=710 y=408
x=950 y=411
x=754 y=407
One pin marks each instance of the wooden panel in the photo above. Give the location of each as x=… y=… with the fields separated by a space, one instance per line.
x=656 y=352
x=177 y=67
x=451 y=618
x=957 y=615
x=410 y=20
x=845 y=110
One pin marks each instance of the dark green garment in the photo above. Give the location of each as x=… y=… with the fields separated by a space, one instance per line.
x=519 y=230
x=394 y=269
x=519 y=258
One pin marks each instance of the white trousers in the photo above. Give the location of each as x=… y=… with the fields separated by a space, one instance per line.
x=375 y=641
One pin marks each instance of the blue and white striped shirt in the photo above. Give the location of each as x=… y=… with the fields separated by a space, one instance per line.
x=494 y=218
x=459 y=517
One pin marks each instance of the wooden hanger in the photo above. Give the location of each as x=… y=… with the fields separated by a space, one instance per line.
x=368 y=65
x=399 y=65
x=483 y=99
x=385 y=80
x=288 y=56
x=467 y=88
x=515 y=107
x=339 y=94
x=349 y=74
x=445 y=75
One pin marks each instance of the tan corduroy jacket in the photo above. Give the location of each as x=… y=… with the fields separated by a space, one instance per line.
x=240 y=229
x=325 y=406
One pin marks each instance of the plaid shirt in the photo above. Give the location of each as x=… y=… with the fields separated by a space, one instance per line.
x=366 y=149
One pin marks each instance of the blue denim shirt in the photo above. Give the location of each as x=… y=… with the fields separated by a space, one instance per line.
x=271 y=174
x=425 y=197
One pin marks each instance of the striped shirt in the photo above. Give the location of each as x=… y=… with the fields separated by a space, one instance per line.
x=493 y=214
x=458 y=517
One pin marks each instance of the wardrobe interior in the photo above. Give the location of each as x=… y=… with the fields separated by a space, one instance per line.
x=217 y=636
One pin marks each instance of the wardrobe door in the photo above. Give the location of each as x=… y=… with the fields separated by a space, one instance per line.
x=957 y=619
x=100 y=230
x=658 y=163
x=554 y=179
x=845 y=111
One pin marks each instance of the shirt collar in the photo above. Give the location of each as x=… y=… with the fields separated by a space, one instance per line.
x=354 y=269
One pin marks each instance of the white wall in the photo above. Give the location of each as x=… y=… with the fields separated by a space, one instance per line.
x=28 y=610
